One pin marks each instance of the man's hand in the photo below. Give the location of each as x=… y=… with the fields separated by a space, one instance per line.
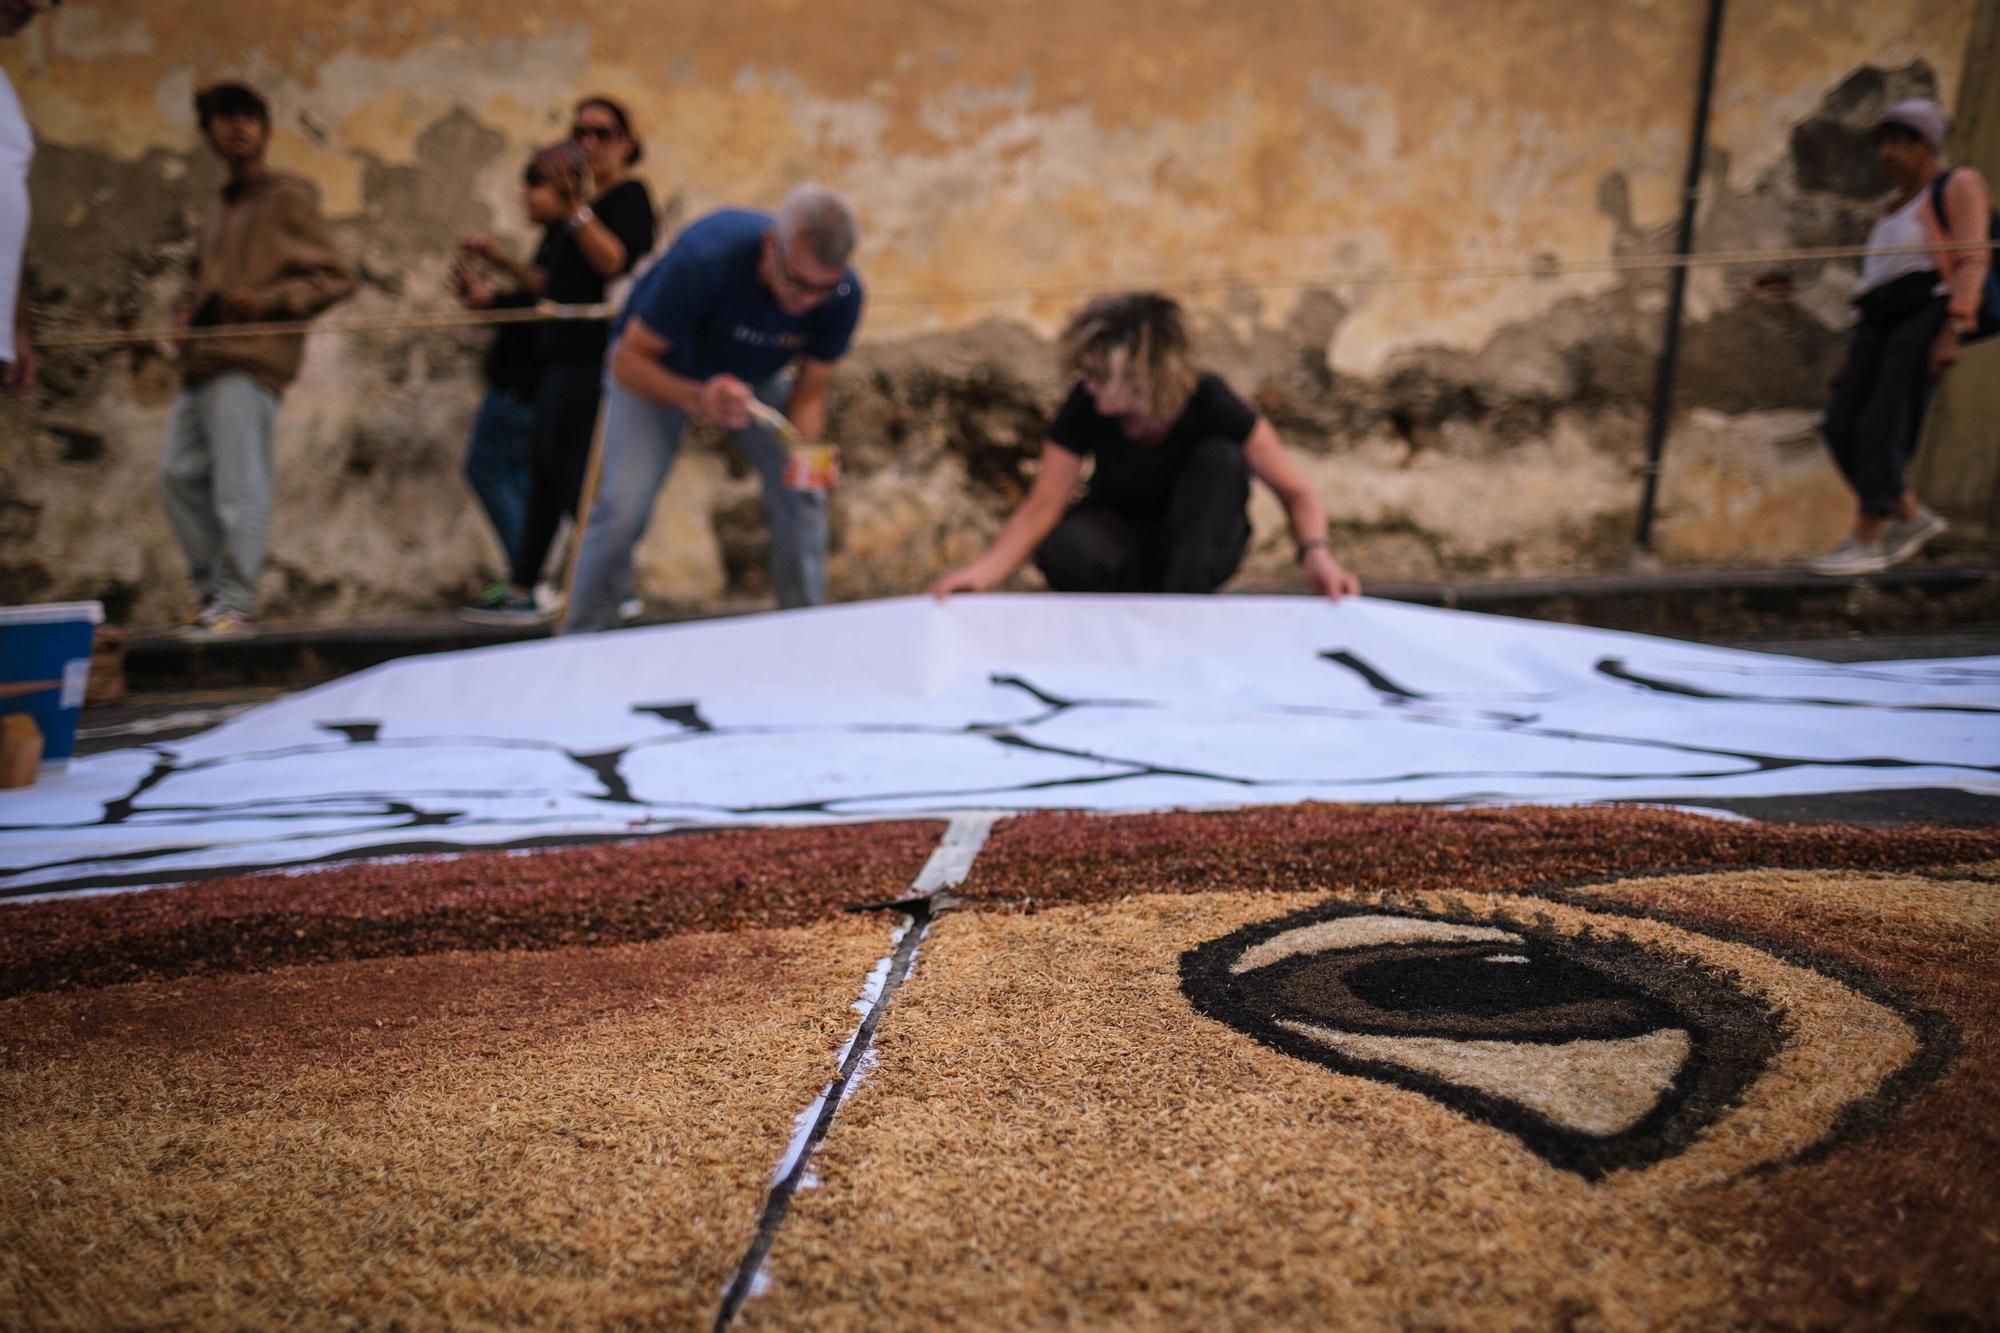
x=969 y=579
x=1327 y=577
x=17 y=377
x=725 y=402
x=243 y=306
x=1945 y=350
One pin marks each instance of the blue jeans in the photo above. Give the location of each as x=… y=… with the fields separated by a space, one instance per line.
x=216 y=480
x=641 y=441
x=496 y=466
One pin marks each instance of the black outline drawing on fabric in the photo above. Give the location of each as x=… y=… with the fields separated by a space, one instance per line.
x=1616 y=669
x=386 y=820
x=1452 y=1005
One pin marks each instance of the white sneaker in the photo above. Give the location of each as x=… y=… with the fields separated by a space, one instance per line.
x=1906 y=536
x=1852 y=556
x=631 y=609
x=223 y=623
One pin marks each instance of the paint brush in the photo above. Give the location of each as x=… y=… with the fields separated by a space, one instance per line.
x=812 y=467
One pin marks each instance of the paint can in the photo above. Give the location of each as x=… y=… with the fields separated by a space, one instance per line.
x=812 y=467
x=45 y=670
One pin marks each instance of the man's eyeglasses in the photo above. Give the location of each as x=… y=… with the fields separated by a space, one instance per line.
x=798 y=284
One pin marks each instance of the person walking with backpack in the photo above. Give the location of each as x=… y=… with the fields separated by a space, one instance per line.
x=1918 y=302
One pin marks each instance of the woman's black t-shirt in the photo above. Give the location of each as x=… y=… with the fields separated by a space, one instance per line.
x=1138 y=478
x=628 y=212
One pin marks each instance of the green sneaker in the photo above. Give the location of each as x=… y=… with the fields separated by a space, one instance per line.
x=512 y=609
x=493 y=596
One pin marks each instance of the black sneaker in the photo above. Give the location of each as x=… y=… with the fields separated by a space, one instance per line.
x=510 y=609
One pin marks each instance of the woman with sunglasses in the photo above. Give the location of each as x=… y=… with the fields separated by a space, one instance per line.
x=605 y=226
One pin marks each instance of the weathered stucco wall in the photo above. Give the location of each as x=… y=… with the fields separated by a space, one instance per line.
x=1003 y=157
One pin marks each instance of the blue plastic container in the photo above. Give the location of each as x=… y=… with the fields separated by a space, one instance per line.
x=47 y=650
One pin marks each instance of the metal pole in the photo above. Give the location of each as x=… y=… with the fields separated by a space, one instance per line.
x=1670 y=346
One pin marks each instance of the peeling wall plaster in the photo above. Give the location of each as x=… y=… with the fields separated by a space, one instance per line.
x=1042 y=144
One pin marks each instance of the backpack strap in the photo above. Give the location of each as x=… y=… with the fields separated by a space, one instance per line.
x=1937 y=201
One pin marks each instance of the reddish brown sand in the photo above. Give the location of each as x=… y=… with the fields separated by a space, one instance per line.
x=659 y=887
x=602 y=894
x=1041 y=859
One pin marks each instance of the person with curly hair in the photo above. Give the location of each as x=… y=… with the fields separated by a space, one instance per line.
x=1172 y=450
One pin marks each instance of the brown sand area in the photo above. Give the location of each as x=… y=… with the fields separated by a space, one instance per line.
x=567 y=1138
x=1055 y=1136
x=551 y=1088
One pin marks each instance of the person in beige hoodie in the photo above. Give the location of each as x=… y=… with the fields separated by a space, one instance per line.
x=264 y=256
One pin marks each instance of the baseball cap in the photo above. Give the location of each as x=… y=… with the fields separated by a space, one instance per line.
x=1921 y=116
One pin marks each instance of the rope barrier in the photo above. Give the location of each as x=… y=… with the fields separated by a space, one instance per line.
x=469 y=319
x=1358 y=277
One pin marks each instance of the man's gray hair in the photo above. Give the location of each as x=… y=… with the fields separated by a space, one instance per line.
x=822 y=219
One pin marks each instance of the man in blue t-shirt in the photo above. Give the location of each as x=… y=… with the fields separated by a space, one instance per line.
x=738 y=300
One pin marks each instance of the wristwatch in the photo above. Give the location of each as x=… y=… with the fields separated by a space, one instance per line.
x=1309 y=544
x=581 y=216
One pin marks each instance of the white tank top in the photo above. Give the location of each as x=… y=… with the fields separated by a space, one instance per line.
x=17 y=150
x=1900 y=228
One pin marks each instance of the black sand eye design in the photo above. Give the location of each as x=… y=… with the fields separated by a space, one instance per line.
x=1595 y=1052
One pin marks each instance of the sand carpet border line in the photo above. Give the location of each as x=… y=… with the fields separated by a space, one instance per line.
x=949 y=864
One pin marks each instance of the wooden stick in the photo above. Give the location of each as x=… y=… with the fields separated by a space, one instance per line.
x=586 y=502
x=16 y=689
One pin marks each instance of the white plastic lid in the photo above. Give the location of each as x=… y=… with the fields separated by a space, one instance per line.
x=52 y=613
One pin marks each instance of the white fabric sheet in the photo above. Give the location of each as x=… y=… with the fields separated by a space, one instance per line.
x=1010 y=703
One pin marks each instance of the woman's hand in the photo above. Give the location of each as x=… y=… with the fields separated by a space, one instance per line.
x=487 y=249
x=475 y=294
x=1327 y=576
x=569 y=198
x=1945 y=350
x=244 y=305
x=968 y=579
